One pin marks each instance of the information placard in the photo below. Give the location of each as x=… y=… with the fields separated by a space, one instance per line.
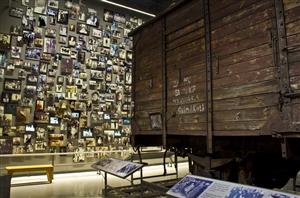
x=119 y=168
x=200 y=187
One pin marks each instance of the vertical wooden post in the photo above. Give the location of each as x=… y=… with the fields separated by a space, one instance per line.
x=208 y=53
x=165 y=84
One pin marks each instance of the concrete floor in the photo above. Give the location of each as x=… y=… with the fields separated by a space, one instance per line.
x=86 y=184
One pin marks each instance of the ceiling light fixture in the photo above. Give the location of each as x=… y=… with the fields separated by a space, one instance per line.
x=129 y=8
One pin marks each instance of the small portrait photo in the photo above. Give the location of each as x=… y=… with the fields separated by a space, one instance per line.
x=46 y=57
x=41 y=117
x=54 y=120
x=44 y=68
x=16 y=52
x=40 y=6
x=60 y=80
x=92 y=20
x=12 y=85
x=38 y=42
x=83 y=29
x=32 y=79
x=52 y=12
x=71 y=92
x=72 y=27
x=81 y=57
x=81 y=16
x=49 y=45
x=5 y=40
x=53 y=4
x=74 y=54
x=96 y=33
x=72 y=41
x=63 y=39
x=30 y=90
x=33 y=53
x=63 y=30
x=87 y=132
x=15 y=97
x=108 y=16
x=16 y=12
x=50 y=32
x=65 y=51
x=41 y=21
x=63 y=17
x=119 y=18
x=23 y=115
x=52 y=20
x=56 y=140
x=39 y=105
x=15 y=30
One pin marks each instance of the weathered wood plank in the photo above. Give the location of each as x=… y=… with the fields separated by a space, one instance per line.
x=290 y=4
x=186 y=132
x=185 y=30
x=293 y=28
x=187 y=119
x=238 y=11
x=250 y=20
x=147 y=106
x=177 y=18
x=247 y=78
x=254 y=114
x=188 y=127
x=246 y=90
x=254 y=101
x=292 y=14
x=239 y=125
x=246 y=55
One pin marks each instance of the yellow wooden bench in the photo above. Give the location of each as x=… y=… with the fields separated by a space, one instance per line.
x=48 y=168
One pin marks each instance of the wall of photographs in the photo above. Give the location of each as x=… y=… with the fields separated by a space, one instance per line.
x=65 y=71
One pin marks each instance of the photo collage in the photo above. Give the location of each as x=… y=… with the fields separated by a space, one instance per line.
x=66 y=79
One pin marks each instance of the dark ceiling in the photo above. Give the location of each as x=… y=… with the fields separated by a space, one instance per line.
x=151 y=6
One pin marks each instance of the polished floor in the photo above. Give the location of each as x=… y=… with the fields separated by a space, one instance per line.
x=86 y=184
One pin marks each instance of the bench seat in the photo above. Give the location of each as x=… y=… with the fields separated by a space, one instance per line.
x=48 y=168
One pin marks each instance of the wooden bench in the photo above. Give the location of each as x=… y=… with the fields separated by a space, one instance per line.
x=48 y=168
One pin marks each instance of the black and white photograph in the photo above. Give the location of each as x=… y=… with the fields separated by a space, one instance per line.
x=189 y=187
x=63 y=30
x=40 y=7
x=72 y=41
x=53 y=3
x=50 y=32
x=92 y=20
x=63 y=39
x=83 y=29
x=63 y=17
x=33 y=53
x=15 y=52
x=42 y=21
x=108 y=16
x=16 y=12
x=65 y=51
x=6 y=145
x=49 y=45
x=5 y=40
x=12 y=85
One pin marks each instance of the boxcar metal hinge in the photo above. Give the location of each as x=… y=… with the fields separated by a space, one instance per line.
x=208 y=55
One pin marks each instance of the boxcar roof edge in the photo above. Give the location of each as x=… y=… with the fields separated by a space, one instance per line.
x=159 y=16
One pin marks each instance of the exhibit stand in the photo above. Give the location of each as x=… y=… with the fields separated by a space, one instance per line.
x=116 y=167
x=194 y=186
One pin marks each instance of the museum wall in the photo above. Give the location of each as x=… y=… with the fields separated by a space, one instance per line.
x=65 y=77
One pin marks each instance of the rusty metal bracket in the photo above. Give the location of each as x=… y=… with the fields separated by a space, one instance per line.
x=209 y=65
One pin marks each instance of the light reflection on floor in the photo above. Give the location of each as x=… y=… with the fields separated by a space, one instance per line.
x=86 y=184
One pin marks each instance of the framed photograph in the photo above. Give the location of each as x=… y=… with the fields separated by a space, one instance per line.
x=46 y=57
x=66 y=66
x=6 y=145
x=63 y=17
x=53 y=4
x=32 y=79
x=49 y=45
x=16 y=12
x=15 y=30
x=83 y=29
x=63 y=30
x=33 y=53
x=40 y=6
x=52 y=12
x=12 y=85
x=54 y=120
x=29 y=91
x=29 y=12
x=23 y=115
x=72 y=41
x=25 y=2
x=71 y=93
x=50 y=32
x=96 y=33
x=120 y=18
x=108 y=16
x=42 y=21
x=63 y=39
x=15 y=52
x=38 y=42
x=74 y=56
x=56 y=140
x=92 y=20
x=87 y=132
x=81 y=57
x=28 y=23
x=128 y=78
x=5 y=40
x=65 y=51
x=52 y=20
x=81 y=16
x=60 y=80
x=72 y=27
x=41 y=117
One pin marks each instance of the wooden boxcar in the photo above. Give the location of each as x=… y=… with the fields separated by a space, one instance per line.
x=221 y=79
